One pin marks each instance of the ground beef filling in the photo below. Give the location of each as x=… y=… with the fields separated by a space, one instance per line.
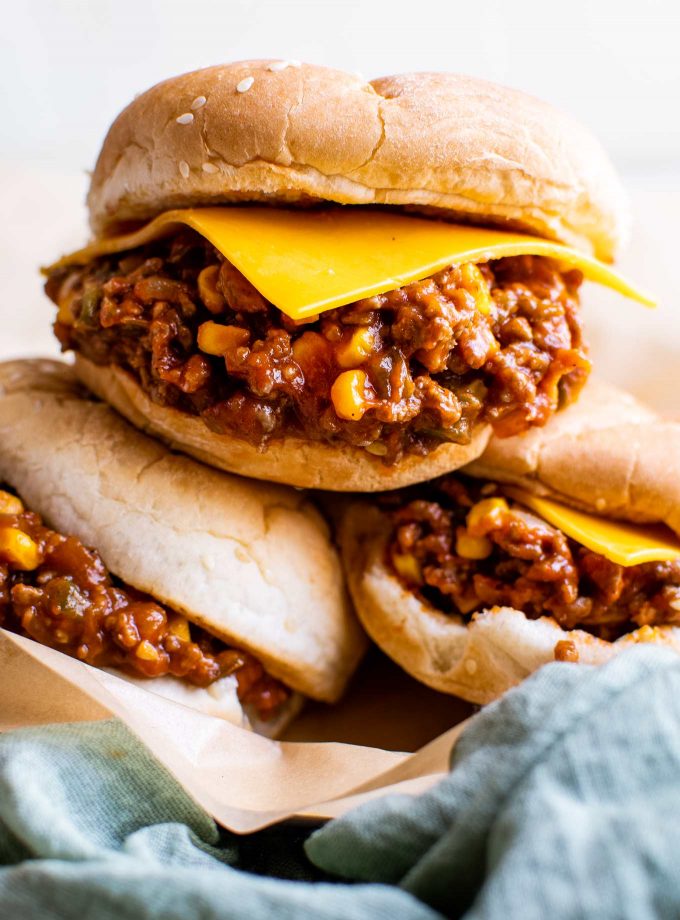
x=400 y=372
x=464 y=547
x=58 y=592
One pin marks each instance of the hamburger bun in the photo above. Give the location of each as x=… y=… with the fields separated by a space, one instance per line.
x=294 y=461
x=251 y=563
x=444 y=144
x=608 y=453
x=477 y=660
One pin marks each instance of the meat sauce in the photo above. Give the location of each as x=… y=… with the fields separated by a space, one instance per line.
x=498 y=342
x=57 y=591
x=464 y=547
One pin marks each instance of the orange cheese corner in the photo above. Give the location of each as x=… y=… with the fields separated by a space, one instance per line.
x=621 y=542
x=307 y=262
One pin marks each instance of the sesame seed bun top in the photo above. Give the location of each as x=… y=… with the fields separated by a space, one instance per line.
x=285 y=133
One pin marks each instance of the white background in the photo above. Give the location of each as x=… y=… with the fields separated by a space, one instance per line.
x=68 y=67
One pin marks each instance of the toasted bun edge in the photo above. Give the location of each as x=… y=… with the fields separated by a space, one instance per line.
x=291 y=461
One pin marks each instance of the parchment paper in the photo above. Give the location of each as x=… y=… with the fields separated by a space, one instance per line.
x=244 y=781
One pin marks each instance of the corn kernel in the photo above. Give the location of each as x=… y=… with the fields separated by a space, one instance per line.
x=357 y=349
x=311 y=351
x=18 y=549
x=10 y=504
x=476 y=284
x=467 y=602
x=207 y=289
x=215 y=339
x=146 y=651
x=485 y=515
x=408 y=567
x=66 y=299
x=348 y=394
x=179 y=626
x=473 y=547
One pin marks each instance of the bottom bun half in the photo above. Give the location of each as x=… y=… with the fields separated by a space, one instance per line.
x=219 y=700
x=292 y=461
x=477 y=660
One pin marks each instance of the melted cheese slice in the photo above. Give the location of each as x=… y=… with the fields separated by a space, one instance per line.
x=623 y=543
x=307 y=262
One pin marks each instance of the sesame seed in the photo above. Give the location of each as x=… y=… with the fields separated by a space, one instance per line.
x=471 y=666
x=198 y=102
x=283 y=65
x=185 y=119
x=184 y=169
x=245 y=84
x=209 y=168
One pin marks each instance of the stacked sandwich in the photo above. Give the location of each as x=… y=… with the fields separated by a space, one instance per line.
x=300 y=277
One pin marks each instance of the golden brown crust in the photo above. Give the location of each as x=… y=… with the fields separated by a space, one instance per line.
x=251 y=562
x=440 y=143
x=607 y=453
x=293 y=461
x=477 y=661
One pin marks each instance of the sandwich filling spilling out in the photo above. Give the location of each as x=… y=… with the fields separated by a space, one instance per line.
x=58 y=592
x=462 y=546
x=498 y=342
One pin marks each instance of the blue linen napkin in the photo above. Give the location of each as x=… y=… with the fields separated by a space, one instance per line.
x=563 y=801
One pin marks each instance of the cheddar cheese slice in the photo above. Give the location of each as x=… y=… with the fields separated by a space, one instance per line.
x=623 y=543
x=307 y=262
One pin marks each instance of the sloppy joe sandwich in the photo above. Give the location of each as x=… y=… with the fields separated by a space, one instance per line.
x=219 y=592
x=309 y=278
x=471 y=584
